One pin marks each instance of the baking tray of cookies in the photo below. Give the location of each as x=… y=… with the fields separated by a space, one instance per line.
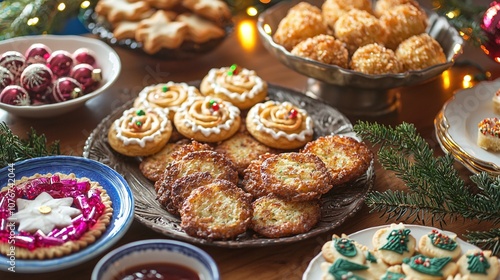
x=336 y=206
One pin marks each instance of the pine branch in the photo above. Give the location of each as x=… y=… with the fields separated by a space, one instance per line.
x=489 y=240
x=436 y=192
x=16 y=149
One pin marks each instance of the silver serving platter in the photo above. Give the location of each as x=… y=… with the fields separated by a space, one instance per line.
x=352 y=90
x=337 y=206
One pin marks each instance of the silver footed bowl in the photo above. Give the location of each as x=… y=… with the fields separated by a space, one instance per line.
x=338 y=86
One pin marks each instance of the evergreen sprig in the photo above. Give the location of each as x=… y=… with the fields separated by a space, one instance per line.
x=435 y=191
x=467 y=18
x=15 y=149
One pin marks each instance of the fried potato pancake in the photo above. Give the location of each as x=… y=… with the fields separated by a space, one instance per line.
x=153 y=166
x=182 y=188
x=252 y=182
x=219 y=210
x=274 y=217
x=295 y=176
x=241 y=149
x=193 y=162
x=345 y=157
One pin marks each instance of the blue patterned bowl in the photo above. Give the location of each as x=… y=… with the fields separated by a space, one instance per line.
x=114 y=184
x=151 y=251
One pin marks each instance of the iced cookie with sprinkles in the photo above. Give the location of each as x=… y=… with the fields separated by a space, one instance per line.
x=280 y=125
x=438 y=244
x=168 y=95
x=343 y=247
x=140 y=132
x=488 y=136
x=478 y=265
x=344 y=269
x=425 y=268
x=56 y=215
x=240 y=86
x=394 y=243
x=207 y=119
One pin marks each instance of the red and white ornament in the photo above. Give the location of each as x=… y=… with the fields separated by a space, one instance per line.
x=36 y=78
x=15 y=95
x=86 y=75
x=37 y=53
x=60 y=62
x=84 y=55
x=66 y=88
x=14 y=62
x=6 y=78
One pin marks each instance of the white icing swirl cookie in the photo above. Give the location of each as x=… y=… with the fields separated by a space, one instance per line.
x=207 y=119
x=240 y=86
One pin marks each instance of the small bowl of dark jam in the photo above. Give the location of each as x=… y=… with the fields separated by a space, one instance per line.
x=156 y=259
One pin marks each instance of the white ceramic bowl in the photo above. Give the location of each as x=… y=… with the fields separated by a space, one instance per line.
x=155 y=251
x=106 y=57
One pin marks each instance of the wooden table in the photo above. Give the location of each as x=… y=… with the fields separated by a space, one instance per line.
x=419 y=105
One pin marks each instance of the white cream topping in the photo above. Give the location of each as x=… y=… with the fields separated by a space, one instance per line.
x=44 y=213
x=177 y=93
x=225 y=109
x=243 y=80
x=301 y=136
x=156 y=125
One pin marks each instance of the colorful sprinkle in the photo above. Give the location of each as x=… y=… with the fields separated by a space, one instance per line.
x=140 y=112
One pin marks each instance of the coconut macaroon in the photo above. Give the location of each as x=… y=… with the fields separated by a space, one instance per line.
x=358 y=28
x=384 y=5
x=302 y=21
x=419 y=52
x=333 y=9
x=402 y=22
x=323 y=48
x=375 y=59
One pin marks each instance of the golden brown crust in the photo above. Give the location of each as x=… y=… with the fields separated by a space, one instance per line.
x=153 y=166
x=275 y=217
x=295 y=176
x=357 y=28
x=252 y=181
x=241 y=149
x=192 y=146
x=333 y=9
x=302 y=21
x=219 y=210
x=69 y=247
x=183 y=187
x=345 y=157
x=402 y=22
x=323 y=48
x=381 y=6
x=194 y=162
x=419 y=52
x=375 y=59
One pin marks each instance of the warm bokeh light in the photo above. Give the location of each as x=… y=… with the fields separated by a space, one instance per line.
x=61 y=6
x=267 y=29
x=33 y=21
x=252 y=11
x=265 y=1
x=457 y=48
x=247 y=34
x=452 y=14
x=446 y=79
x=467 y=81
x=85 y=4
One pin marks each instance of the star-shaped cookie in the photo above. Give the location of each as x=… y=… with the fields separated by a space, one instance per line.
x=159 y=31
x=200 y=30
x=118 y=10
x=215 y=10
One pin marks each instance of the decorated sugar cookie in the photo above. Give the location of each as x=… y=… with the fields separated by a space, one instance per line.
x=343 y=247
x=280 y=125
x=394 y=243
x=140 y=132
x=478 y=265
x=438 y=244
x=207 y=119
x=238 y=85
x=425 y=268
x=166 y=95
